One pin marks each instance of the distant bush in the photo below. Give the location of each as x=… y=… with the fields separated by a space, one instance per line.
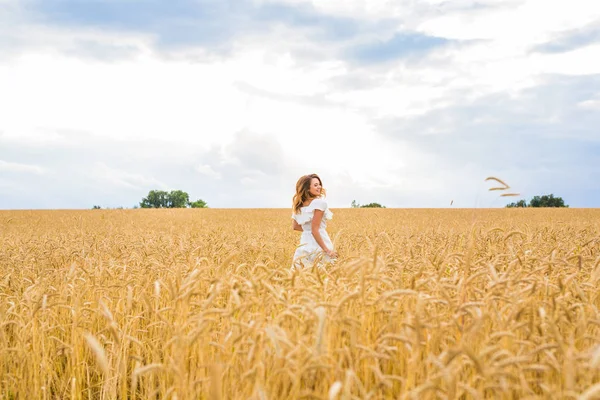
x=540 y=201
x=354 y=204
x=172 y=199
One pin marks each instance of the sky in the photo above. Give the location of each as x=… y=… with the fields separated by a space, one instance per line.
x=405 y=103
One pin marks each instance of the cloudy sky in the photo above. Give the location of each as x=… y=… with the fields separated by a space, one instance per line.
x=407 y=103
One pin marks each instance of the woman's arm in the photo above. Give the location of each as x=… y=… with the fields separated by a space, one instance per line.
x=296 y=226
x=315 y=225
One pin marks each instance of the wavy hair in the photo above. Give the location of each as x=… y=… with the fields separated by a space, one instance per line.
x=303 y=191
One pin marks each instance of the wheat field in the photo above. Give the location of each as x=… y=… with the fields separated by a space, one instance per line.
x=198 y=304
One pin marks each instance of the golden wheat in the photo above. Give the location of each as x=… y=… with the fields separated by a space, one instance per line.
x=185 y=304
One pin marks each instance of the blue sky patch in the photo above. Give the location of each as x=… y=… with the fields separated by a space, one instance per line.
x=399 y=46
x=186 y=22
x=571 y=40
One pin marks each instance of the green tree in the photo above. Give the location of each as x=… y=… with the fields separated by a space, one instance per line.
x=172 y=199
x=156 y=199
x=178 y=199
x=372 y=205
x=96 y=208
x=198 y=204
x=520 y=203
x=355 y=204
x=547 y=200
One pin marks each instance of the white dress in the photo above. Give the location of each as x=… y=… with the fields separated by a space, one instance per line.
x=309 y=249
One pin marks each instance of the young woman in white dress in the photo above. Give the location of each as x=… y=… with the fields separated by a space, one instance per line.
x=309 y=216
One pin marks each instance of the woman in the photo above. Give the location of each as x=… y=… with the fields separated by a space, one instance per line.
x=309 y=214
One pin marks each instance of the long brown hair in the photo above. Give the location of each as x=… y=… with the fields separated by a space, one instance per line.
x=303 y=191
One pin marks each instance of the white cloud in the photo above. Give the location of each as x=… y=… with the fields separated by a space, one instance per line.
x=6 y=166
x=115 y=177
x=591 y=104
x=208 y=171
x=521 y=23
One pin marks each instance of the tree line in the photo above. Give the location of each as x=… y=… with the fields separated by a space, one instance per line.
x=172 y=199
x=181 y=199
x=164 y=199
x=547 y=200
x=354 y=204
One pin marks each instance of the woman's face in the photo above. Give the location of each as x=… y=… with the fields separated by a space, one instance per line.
x=315 y=187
